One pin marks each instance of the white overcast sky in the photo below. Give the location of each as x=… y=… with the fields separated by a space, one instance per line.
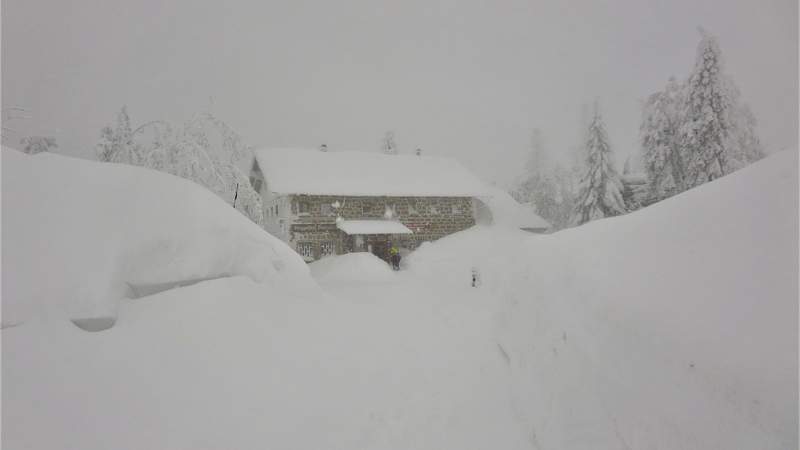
x=463 y=78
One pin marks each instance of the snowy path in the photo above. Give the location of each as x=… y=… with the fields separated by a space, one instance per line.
x=229 y=363
x=442 y=376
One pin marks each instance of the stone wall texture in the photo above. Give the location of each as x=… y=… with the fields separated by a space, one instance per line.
x=314 y=220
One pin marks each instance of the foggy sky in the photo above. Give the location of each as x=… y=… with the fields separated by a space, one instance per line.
x=468 y=79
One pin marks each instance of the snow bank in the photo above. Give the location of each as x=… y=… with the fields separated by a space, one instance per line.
x=671 y=327
x=362 y=266
x=215 y=366
x=79 y=235
x=674 y=327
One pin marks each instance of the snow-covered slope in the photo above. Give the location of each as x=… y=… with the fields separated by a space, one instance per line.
x=672 y=327
x=80 y=235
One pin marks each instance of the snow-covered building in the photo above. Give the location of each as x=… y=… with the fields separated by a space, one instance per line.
x=335 y=202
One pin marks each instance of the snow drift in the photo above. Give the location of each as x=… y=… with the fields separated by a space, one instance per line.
x=506 y=212
x=361 y=267
x=674 y=327
x=80 y=235
x=671 y=327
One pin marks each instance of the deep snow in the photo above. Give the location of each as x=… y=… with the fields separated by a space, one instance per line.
x=674 y=327
x=357 y=267
x=671 y=327
x=80 y=235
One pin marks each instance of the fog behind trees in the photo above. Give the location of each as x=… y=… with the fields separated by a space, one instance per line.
x=463 y=79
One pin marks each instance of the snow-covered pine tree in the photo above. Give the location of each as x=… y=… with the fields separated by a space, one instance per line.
x=707 y=116
x=568 y=178
x=744 y=145
x=537 y=159
x=389 y=147
x=107 y=145
x=565 y=186
x=38 y=144
x=600 y=193
x=549 y=187
x=538 y=185
x=117 y=144
x=528 y=183
x=660 y=141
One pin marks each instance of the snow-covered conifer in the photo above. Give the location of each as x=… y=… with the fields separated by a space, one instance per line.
x=389 y=147
x=38 y=144
x=744 y=146
x=660 y=141
x=548 y=187
x=600 y=193
x=117 y=143
x=707 y=116
x=538 y=186
x=565 y=187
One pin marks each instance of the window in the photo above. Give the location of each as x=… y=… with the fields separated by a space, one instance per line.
x=256 y=185
x=326 y=248
x=456 y=208
x=303 y=207
x=325 y=209
x=276 y=210
x=305 y=249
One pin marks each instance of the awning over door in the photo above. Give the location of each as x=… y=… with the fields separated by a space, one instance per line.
x=372 y=227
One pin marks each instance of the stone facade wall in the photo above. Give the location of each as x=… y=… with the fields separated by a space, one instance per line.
x=313 y=220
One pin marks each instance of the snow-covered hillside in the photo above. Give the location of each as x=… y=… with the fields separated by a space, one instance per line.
x=674 y=327
x=79 y=235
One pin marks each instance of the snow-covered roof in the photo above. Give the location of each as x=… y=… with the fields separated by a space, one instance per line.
x=303 y=171
x=372 y=227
